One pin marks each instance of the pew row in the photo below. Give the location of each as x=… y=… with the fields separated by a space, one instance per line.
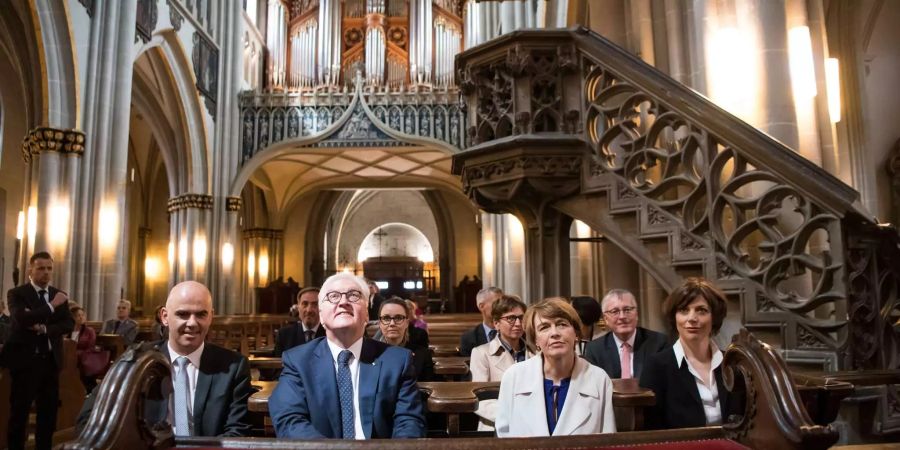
x=774 y=414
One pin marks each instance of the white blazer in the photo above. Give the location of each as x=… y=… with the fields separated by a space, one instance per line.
x=521 y=410
x=488 y=363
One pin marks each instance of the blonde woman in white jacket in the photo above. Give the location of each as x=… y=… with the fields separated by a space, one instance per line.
x=554 y=393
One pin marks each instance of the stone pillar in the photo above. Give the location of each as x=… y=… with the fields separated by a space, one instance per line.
x=189 y=217
x=263 y=250
x=53 y=157
x=224 y=240
x=98 y=254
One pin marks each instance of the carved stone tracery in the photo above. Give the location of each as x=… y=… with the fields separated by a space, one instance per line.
x=767 y=225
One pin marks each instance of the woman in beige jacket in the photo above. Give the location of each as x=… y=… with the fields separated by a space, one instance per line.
x=489 y=361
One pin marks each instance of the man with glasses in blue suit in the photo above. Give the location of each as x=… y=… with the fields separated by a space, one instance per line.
x=344 y=385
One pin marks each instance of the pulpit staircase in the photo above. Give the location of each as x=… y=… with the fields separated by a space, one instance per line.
x=563 y=125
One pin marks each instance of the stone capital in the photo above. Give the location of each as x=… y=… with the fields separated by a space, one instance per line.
x=52 y=139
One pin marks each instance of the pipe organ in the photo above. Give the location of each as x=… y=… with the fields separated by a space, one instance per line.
x=394 y=45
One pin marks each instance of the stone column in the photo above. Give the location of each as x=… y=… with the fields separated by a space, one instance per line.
x=189 y=216
x=226 y=158
x=263 y=249
x=53 y=156
x=98 y=253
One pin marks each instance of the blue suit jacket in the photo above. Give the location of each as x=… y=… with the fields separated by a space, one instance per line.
x=305 y=403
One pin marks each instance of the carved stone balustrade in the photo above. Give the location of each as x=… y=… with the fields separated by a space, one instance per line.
x=683 y=187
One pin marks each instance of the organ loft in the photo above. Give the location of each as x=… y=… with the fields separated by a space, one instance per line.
x=456 y=154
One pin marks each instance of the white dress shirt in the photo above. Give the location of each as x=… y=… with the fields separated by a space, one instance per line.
x=47 y=298
x=356 y=349
x=630 y=341
x=709 y=395
x=193 y=368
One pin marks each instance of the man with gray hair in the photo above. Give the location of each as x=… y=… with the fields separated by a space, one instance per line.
x=622 y=351
x=344 y=385
x=122 y=325
x=484 y=332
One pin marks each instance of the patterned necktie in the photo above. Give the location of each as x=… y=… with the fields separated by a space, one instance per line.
x=345 y=392
x=491 y=335
x=182 y=396
x=43 y=295
x=310 y=335
x=626 y=360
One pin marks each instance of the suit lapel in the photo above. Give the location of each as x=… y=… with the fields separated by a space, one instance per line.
x=637 y=357
x=369 y=370
x=576 y=409
x=613 y=354
x=724 y=407
x=531 y=394
x=326 y=394
x=688 y=383
x=204 y=381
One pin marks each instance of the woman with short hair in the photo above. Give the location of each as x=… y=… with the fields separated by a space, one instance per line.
x=575 y=396
x=393 y=323
x=686 y=377
x=489 y=361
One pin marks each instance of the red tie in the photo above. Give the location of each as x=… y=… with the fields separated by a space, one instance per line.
x=626 y=360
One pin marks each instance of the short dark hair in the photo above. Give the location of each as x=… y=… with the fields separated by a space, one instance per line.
x=75 y=308
x=39 y=255
x=692 y=288
x=394 y=300
x=588 y=309
x=504 y=305
x=308 y=289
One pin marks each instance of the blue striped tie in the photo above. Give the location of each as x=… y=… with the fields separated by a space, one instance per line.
x=345 y=392
x=182 y=394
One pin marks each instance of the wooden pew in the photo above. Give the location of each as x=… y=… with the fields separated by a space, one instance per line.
x=774 y=415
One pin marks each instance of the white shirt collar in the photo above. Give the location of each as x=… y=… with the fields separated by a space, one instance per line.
x=630 y=341
x=313 y=329
x=194 y=357
x=355 y=348
x=38 y=288
x=716 y=354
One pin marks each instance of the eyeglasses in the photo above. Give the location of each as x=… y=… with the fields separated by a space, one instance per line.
x=513 y=319
x=628 y=310
x=386 y=320
x=334 y=297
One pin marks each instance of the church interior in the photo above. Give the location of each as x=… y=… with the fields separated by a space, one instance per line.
x=551 y=148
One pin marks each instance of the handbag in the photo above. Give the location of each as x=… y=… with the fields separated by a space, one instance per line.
x=94 y=363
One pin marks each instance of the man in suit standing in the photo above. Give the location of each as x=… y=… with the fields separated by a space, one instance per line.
x=622 y=351
x=122 y=325
x=346 y=386
x=34 y=352
x=305 y=329
x=210 y=384
x=484 y=332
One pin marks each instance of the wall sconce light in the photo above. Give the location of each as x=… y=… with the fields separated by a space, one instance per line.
x=833 y=88
x=20 y=226
x=199 y=251
x=227 y=255
x=152 y=268
x=31 y=224
x=182 y=252
x=263 y=269
x=108 y=228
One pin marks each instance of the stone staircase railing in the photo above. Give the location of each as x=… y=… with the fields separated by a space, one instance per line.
x=564 y=124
